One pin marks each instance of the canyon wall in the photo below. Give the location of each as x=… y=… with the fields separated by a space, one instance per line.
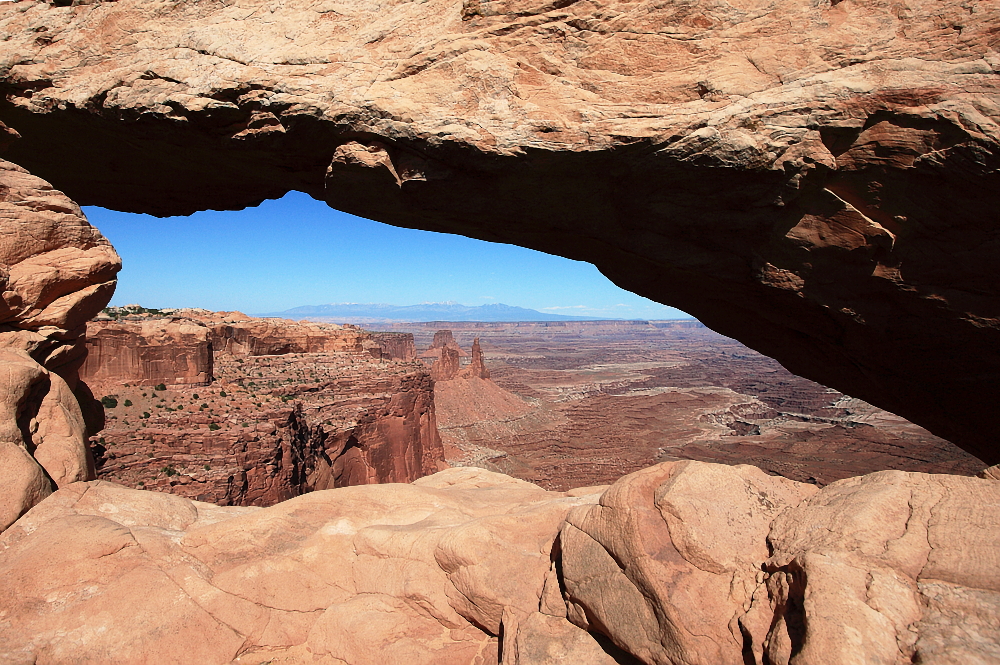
x=147 y=354
x=269 y=337
x=274 y=426
x=56 y=272
x=395 y=345
x=828 y=200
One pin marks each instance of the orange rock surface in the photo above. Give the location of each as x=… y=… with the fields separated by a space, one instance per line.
x=816 y=179
x=174 y=352
x=56 y=271
x=683 y=562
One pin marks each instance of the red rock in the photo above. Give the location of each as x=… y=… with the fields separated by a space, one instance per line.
x=56 y=271
x=684 y=562
x=829 y=202
x=267 y=337
x=476 y=368
x=447 y=365
x=395 y=346
x=287 y=424
x=173 y=352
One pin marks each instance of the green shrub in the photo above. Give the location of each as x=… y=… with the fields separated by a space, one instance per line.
x=160 y=386
x=127 y=402
x=208 y=468
x=195 y=396
x=109 y=402
x=213 y=427
x=222 y=394
x=169 y=471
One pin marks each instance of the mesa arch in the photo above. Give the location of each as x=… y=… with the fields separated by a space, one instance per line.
x=819 y=180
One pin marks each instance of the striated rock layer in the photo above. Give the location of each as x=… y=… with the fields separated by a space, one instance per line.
x=149 y=353
x=56 y=272
x=273 y=427
x=681 y=563
x=828 y=200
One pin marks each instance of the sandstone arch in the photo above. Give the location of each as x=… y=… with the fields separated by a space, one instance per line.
x=819 y=180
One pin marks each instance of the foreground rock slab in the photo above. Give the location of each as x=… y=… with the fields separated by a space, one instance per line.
x=829 y=200
x=684 y=563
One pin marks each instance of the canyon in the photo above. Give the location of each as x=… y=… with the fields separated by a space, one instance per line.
x=817 y=180
x=584 y=403
x=255 y=411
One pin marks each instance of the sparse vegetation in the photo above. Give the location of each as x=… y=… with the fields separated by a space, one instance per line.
x=160 y=386
x=214 y=426
x=169 y=471
x=109 y=402
x=127 y=402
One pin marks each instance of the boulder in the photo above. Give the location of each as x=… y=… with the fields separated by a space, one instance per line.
x=56 y=271
x=423 y=573
x=683 y=563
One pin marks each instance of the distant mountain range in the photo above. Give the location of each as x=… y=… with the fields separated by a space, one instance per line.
x=436 y=311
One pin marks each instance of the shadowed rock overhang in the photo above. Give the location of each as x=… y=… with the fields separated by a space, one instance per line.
x=816 y=179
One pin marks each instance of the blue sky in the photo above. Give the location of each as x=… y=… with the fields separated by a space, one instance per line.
x=297 y=251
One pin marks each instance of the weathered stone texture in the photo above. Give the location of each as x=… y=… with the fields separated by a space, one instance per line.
x=148 y=353
x=680 y=564
x=56 y=271
x=827 y=198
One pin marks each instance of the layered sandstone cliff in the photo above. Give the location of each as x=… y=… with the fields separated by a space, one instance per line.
x=682 y=563
x=395 y=345
x=240 y=335
x=173 y=352
x=275 y=423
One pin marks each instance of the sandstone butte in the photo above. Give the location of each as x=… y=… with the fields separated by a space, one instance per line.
x=818 y=180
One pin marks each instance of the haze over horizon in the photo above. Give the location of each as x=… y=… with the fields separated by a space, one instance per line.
x=296 y=251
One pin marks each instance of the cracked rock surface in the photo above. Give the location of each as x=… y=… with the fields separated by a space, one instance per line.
x=683 y=563
x=816 y=179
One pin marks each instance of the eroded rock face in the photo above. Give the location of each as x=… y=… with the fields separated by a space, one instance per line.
x=395 y=346
x=240 y=335
x=682 y=563
x=56 y=271
x=148 y=353
x=827 y=200
x=273 y=427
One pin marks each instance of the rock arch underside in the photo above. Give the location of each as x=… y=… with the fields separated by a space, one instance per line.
x=819 y=179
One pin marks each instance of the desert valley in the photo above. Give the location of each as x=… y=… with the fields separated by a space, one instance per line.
x=809 y=474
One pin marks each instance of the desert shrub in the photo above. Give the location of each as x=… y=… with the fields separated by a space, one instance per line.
x=169 y=471
x=145 y=414
x=208 y=468
x=213 y=426
x=127 y=402
x=160 y=386
x=195 y=396
x=109 y=402
x=222 y=394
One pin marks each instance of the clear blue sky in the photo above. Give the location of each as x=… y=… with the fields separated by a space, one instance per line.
x=297 y=251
